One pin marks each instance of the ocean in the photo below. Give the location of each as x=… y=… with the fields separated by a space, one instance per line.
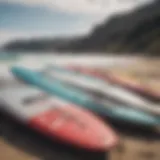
x=35 y=61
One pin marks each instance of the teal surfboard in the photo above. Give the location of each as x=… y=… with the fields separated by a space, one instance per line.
x=83 y=99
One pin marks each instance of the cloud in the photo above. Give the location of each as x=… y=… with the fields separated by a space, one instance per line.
x=7 y=35
x=96 y=7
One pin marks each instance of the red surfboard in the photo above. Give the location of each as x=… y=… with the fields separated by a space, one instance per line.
x=56 y=118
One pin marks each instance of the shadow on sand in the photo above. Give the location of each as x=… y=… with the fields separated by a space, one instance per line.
x=37 y=145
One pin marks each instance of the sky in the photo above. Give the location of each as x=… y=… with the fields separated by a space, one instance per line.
x=49 y=18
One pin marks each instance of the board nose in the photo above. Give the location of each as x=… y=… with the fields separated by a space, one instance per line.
x=19 y=72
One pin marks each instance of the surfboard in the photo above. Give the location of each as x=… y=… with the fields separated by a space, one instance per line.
x=85 y=100
x=56 y=118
